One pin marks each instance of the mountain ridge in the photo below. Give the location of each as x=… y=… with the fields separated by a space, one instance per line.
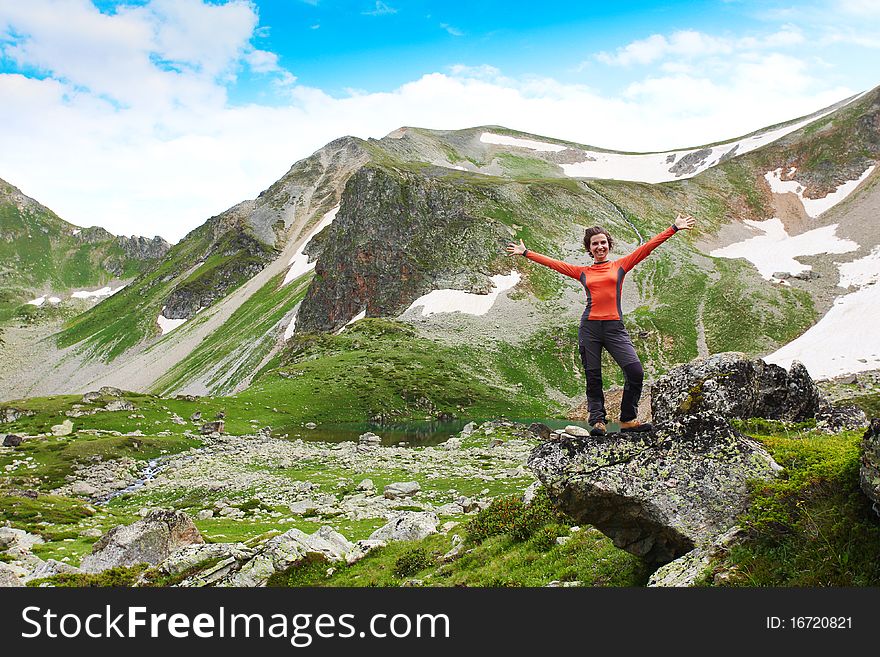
x=503 y=192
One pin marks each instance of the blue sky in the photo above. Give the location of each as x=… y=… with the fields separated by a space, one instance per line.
x=148 y=117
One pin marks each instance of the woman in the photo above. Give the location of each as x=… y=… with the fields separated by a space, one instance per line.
x=601 y=324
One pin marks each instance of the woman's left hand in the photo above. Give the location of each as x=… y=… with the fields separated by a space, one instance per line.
x=684 y=221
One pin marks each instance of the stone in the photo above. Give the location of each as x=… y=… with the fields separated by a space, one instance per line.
x=542 y=431
x=369 y=438
x=468 y=429
x=120 y=405
x=14 y=414
x=455 y=551
x=656 y=494
x=63 y=429
x=530 y=492
x=110 y=391
x=834 y=419
x=82 y=489
x=18 y=540
x=280 y=553
x=304 y=507
x=150 y=540
x=574 y=430
x=11 y=440
x=188 y=556
x=363 y=548
x=91 y=397
x=401 y=489
x=311 y=425
x=9 y=577
x=407 y=526
x=869 y=470
x=451 y=444
x=50 y=568
x=366 y=486
x=735 y=386
x=204 y=514
x=195 y=417
x=217 y=426
x=93 y=532
x=689 y=568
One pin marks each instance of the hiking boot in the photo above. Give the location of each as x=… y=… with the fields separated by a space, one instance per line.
x=635 y=426
x=598 y=429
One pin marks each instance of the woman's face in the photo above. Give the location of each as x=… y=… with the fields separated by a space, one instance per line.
x=599 y=247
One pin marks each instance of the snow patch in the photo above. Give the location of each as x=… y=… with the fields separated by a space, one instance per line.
x=504 y=140
x=299 y=263
x=54 y=301
x=288 y=332
x=168 y=325
x=861 y=272
x=451 y=301
x=354 y=319
x=776 y=250
x=39 y=301
x=813 y=206
x=844 y=341
x=103 y=292
x=655 y=167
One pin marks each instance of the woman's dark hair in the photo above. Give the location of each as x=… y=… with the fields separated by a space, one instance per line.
x=596 y=230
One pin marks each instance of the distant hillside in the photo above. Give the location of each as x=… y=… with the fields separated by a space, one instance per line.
x=374 y=228
x=43 y=255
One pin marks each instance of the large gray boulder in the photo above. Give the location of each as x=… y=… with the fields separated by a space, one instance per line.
x=657 y=494
x=869 y=472
x=735 y=386
x=275 y=555
x=50 y=568
x=407 y=526
x=149 y=540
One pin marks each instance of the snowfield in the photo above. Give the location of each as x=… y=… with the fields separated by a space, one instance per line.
x=299 y=264
x=813 y=206
x=459 y=301
x=775 y=251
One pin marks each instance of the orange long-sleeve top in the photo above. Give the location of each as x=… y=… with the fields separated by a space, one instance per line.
x=603 y=281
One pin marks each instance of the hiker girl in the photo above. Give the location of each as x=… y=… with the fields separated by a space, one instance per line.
x=601 y=324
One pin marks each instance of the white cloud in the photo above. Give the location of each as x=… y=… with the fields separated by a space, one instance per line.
x=454 y=31
x=690 y=44
x=130 y=126
x=860 y=7
x=381 y=10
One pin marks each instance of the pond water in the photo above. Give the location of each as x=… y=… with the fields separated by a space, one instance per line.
x=413 y=433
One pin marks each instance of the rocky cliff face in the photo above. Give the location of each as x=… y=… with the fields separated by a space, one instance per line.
x=228 y=264
x=143 y=248
x=396 y=235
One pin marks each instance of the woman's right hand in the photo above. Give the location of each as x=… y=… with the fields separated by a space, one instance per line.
x=516 y=249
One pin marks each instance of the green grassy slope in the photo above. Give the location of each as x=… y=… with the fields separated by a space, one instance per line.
x=39 y=250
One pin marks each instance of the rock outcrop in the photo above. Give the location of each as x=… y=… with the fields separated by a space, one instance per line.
x=408 y=526
x=150 y=540
x=439 y=242
x=869 y=472
x=254 y=568
x=658 y=494
x=735 y=386
x=688 y=569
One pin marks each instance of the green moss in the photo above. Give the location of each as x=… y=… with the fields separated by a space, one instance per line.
x=812 y=525
x=119 y=576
